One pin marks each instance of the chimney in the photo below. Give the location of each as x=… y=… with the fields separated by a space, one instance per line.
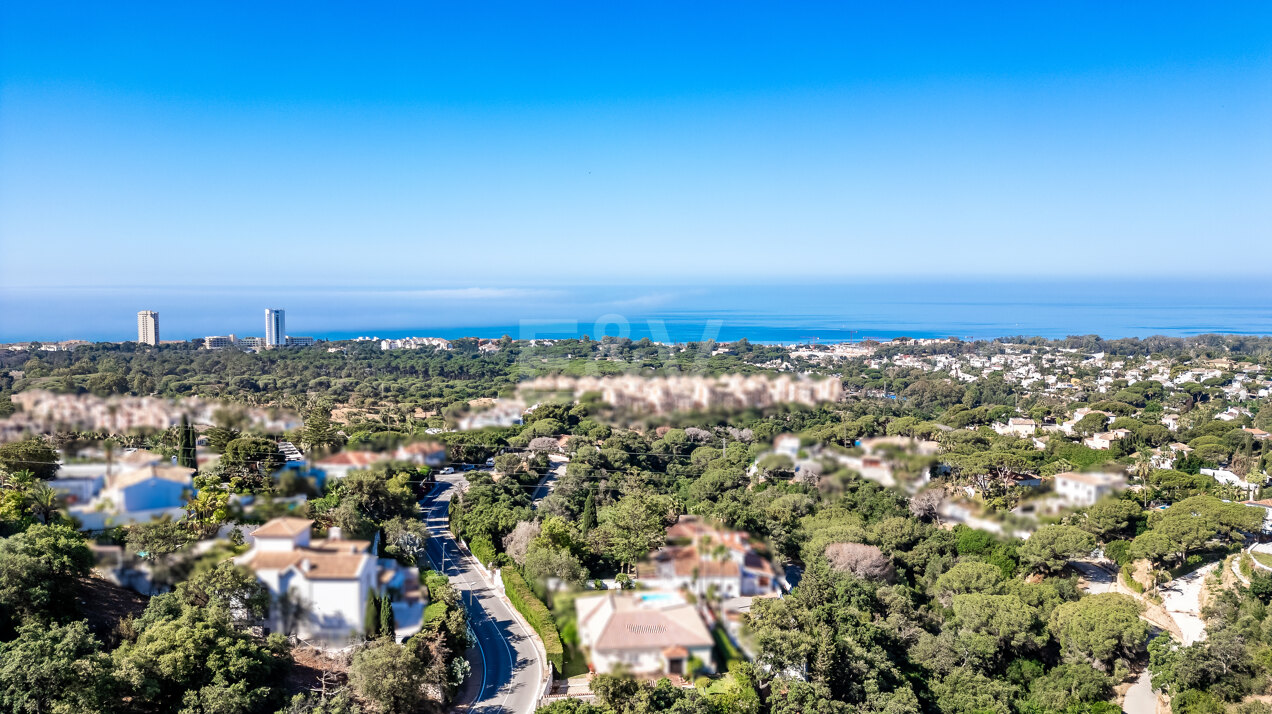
x=333 y=533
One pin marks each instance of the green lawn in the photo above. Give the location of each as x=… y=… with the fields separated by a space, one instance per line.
x=726 y=653
x=1264 y=558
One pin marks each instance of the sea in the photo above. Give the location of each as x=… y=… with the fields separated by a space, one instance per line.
x=788 y=312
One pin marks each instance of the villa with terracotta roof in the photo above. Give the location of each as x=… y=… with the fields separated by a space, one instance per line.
x=647 y=633
x=426 y=453
x=699 y=556
x=319 y=587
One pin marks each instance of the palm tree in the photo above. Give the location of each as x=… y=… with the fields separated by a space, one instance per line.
x=43 y=502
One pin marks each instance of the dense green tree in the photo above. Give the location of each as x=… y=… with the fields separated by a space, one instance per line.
x=1050 y=547
x=1099 y=628
x=54 y=668
x=39 y=569
x=33 y=454
x=192 y=659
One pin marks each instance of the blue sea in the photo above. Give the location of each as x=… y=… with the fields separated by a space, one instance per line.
x=771 y=313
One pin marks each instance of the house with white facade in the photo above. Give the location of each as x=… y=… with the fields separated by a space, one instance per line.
x=423 y=453
x=319 y=588
x=649 y=632
x=1084 y=489
x=1017 y=426
x=1103 y=440
x=1229 y=478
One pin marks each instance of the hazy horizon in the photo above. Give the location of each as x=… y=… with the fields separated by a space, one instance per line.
x=773 y=312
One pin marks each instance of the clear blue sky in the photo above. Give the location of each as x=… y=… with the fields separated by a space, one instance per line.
x=527 y=143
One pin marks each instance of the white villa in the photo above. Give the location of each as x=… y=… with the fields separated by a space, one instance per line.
x=319 y=588
x=1084 y=489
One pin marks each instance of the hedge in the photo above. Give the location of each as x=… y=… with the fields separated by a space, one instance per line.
x=482 y=549
x=536 y=613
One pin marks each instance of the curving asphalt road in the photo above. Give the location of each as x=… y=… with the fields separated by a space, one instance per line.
x=507 y=674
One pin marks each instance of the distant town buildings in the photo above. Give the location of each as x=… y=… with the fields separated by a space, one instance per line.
x=661 y=395
x=148 y=327
x=275 y=328
x=43 y=412
x=415 y=343
x=219 y=342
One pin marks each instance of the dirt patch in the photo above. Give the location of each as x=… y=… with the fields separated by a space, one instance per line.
x=1142 y=573
x=314 y=669
x=105 y=604
x=1153 y=613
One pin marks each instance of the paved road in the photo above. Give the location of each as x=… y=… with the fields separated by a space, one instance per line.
x=1140 y=698
x=507 y=673
x=556 y=469
x=1098 y=579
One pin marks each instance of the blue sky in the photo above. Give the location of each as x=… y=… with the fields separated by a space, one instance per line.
x=465 y=144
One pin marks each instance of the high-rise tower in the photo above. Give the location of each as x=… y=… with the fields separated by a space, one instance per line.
x=148 y=327
x=275 y=328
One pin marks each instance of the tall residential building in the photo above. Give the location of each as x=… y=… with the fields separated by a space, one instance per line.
x=275 y=328
x=148 y=327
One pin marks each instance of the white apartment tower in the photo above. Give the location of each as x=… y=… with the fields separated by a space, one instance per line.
x=275 y=328
x=148 y=327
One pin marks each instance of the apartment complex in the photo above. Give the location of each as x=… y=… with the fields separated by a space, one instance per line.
x=148 y=327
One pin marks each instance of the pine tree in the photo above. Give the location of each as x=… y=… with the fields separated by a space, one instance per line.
x=371 y=619
x=388 y=622
x=318 y=431
x=589 y=513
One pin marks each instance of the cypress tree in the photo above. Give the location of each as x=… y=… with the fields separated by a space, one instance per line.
x=371 y=619
x=186 y=445
x=589 y=512
x=388 y=622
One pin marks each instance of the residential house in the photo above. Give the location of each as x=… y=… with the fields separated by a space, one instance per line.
x=319 y=588
x=1017 y=426
x=703 y=558
x=1084 y=489
x=645 y=633
x=1103 y=440
x=1258 y=434
x=136 y=496
x=1228 y=478
x=788 y=445
x=339 y=465
x=423 y=453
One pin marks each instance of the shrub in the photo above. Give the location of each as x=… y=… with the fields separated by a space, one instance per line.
x=1118 y=551
x=1129 y=577
x=536 y=613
